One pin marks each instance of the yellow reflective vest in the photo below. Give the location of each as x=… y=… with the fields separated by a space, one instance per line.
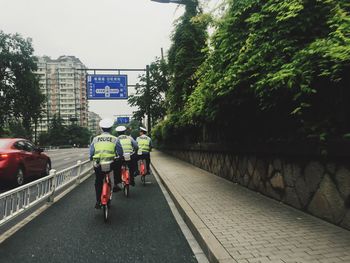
x=105 y=147
x=126 y=143
x=144 y=143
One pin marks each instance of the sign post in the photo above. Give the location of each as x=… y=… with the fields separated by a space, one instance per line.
x=148 y=100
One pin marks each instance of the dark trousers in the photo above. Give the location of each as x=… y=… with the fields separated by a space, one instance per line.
x=147 y=158
x=132 y=164
x=98 y=183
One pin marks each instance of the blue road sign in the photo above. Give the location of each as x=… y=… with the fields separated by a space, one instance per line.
x=107 y=87
x=123 y=120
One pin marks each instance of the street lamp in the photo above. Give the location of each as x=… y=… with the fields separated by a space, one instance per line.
x=169 y=1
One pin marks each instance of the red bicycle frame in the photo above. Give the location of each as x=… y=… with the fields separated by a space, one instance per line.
x=142 y=170
x=125 y=175
x=106 y=189
x=142 y=167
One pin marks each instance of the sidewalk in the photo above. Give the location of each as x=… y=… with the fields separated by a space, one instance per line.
x=234 y=224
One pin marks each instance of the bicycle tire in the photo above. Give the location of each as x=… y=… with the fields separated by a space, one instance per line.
x=105 y=213
x=126 y=190
x=143 y=179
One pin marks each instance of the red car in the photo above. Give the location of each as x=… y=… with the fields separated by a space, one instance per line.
x=20 y=159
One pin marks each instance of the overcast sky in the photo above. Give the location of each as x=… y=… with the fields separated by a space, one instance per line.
x=102 y=33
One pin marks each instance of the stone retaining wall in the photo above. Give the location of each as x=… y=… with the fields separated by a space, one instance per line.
x=316 y=186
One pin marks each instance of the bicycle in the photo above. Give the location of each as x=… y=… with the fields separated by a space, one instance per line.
x=142 y=170
x=106 y=195
x=125 y=174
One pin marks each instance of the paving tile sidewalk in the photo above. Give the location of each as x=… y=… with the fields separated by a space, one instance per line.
x=234 y=224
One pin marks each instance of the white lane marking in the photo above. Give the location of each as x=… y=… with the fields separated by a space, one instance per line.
x=66 y=159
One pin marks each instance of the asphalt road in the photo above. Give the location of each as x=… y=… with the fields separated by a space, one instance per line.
x=65 y=158
x=141 y=229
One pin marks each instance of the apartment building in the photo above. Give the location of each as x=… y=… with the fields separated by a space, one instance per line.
x=63 y=81
x=94 y=120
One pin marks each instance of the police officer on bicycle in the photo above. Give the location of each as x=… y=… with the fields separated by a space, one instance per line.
x=145 y=146
x=125 y=144
x=103 y=148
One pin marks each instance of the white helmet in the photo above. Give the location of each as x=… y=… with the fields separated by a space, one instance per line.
x=120 y=128
x=143 y=129
x=106 y=123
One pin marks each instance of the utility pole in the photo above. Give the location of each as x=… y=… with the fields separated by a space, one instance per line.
x=59 y=92
x=148 y=100
x=75 y=96
x=35 y=130
x=47 y=98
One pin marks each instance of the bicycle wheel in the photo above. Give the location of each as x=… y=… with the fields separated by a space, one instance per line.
x=143 y=179
x=126 y=190
x=105 y=213
x=142 y=168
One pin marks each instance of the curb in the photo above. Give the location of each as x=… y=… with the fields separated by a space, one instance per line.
x=211 y=247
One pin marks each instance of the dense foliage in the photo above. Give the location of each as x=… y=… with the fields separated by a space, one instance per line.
x=14 y=129
x=60 y=135
x=185 y=55
x=20 y=94
x=274 y=69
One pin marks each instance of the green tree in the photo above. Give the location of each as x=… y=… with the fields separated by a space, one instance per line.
x=60 y=135
x=29 y=101
x=57 y=132
x=158 y=84
x=134 y=128
x=78 y=135
x=186 y=54
x=19 y=86
x=16 y=129
x=44 y=139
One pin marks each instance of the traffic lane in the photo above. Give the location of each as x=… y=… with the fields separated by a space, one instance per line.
x=141 y=228
x=65 y=158
x=61 y=152
x=60 y=160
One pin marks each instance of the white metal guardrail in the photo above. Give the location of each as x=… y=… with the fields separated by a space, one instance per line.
x=19 y=200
